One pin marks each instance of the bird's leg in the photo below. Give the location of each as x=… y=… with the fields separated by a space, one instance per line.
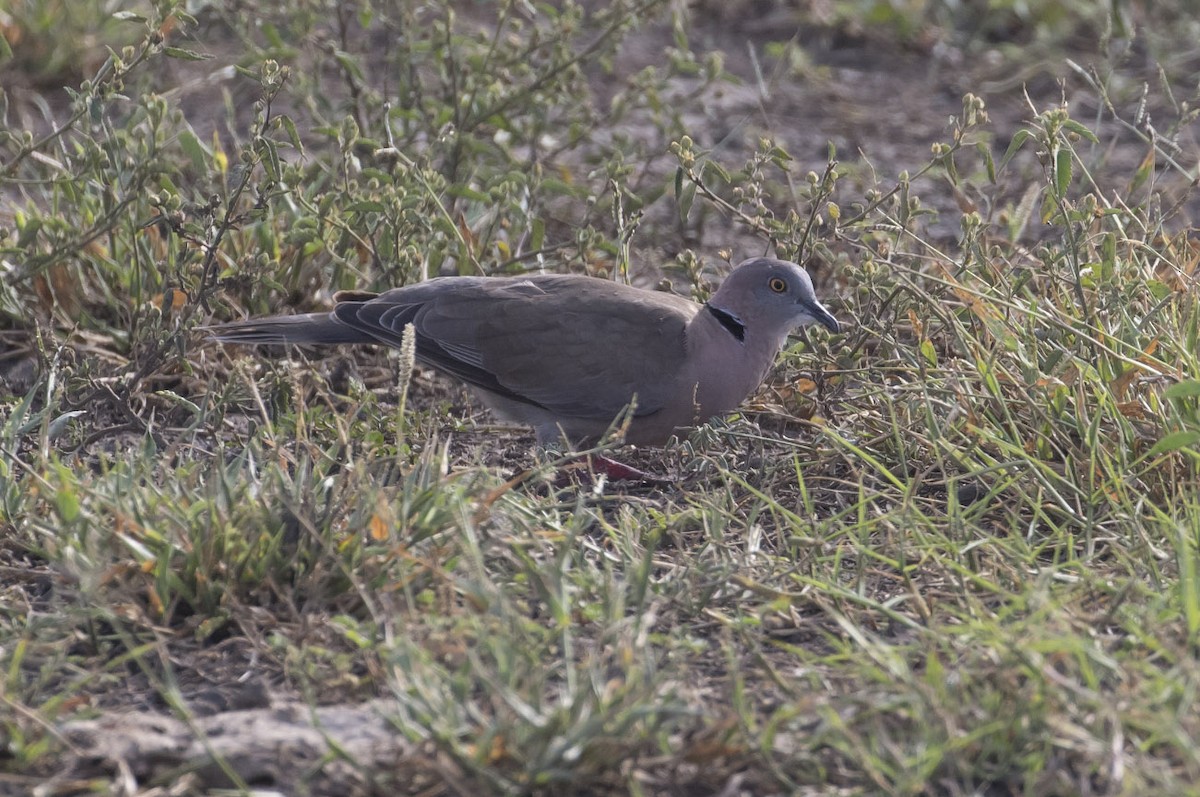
x=572 y=466
x=610 y=468
x=619 y=471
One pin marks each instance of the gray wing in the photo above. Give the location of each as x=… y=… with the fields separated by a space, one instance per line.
x=575 y=346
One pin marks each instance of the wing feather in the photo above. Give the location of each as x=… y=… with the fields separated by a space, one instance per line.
x=576 y=346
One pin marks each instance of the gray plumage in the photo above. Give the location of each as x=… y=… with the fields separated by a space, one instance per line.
x=567 y=354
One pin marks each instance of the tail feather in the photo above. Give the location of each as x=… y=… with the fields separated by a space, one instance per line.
x=310 y=329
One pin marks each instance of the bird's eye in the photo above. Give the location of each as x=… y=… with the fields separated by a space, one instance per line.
x=777 y=284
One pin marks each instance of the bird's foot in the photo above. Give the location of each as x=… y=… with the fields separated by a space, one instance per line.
x=619 y=471
x=611 y=469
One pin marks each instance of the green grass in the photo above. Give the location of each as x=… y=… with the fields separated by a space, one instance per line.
x=952 y=551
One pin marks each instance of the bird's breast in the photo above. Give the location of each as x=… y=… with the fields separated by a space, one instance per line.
x=725 y=371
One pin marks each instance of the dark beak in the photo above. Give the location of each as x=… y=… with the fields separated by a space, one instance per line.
x=823 y=317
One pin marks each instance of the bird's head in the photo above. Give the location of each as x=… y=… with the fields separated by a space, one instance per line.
x=771 y=296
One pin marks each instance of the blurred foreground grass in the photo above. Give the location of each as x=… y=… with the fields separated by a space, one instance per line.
x=953 y=551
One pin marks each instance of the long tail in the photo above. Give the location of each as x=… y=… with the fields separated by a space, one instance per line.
x=313 y=328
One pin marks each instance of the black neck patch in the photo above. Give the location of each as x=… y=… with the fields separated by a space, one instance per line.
x=731 y=324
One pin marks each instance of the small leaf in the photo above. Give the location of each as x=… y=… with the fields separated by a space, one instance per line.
x=986 y=151
x=1120 y=385
x=1080 y=129
x=170 y=300
x=192 y=147
x=175 y=398
x=1144 y=170
x=1017 y=142
x=935 y=673
x=1132 y=409
x=554 y=186
x=272 y=35
x=928 y=352
x=466 y=192
x=220 y=159
x=28 y=232
x=66 y=502
x=1173 y=442
x=271 y=162
x=1062 y=171
x=290 y=128
x=16 y=425
x=713 y=166
x=61 y=423
x=185 y=55
x=1108 y=251
x=1188 y=389
x=349 y=64
x=686 y=200
x=378 y=528
x=1159 y=289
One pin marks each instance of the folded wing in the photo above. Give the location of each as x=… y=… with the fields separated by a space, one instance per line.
x=575 y=346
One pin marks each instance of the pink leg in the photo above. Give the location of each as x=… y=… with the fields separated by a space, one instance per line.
x=614 y=470
x=619 y=471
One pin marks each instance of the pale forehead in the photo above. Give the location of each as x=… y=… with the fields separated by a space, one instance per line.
x=771 y=267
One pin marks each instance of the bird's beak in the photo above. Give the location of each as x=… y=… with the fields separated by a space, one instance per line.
x=823 y=316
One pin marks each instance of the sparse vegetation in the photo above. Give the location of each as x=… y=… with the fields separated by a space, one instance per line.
x=953 y=551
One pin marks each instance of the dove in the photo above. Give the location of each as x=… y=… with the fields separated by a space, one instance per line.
x=568 y=355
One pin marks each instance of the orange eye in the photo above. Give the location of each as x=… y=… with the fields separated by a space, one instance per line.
x=778 y=285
